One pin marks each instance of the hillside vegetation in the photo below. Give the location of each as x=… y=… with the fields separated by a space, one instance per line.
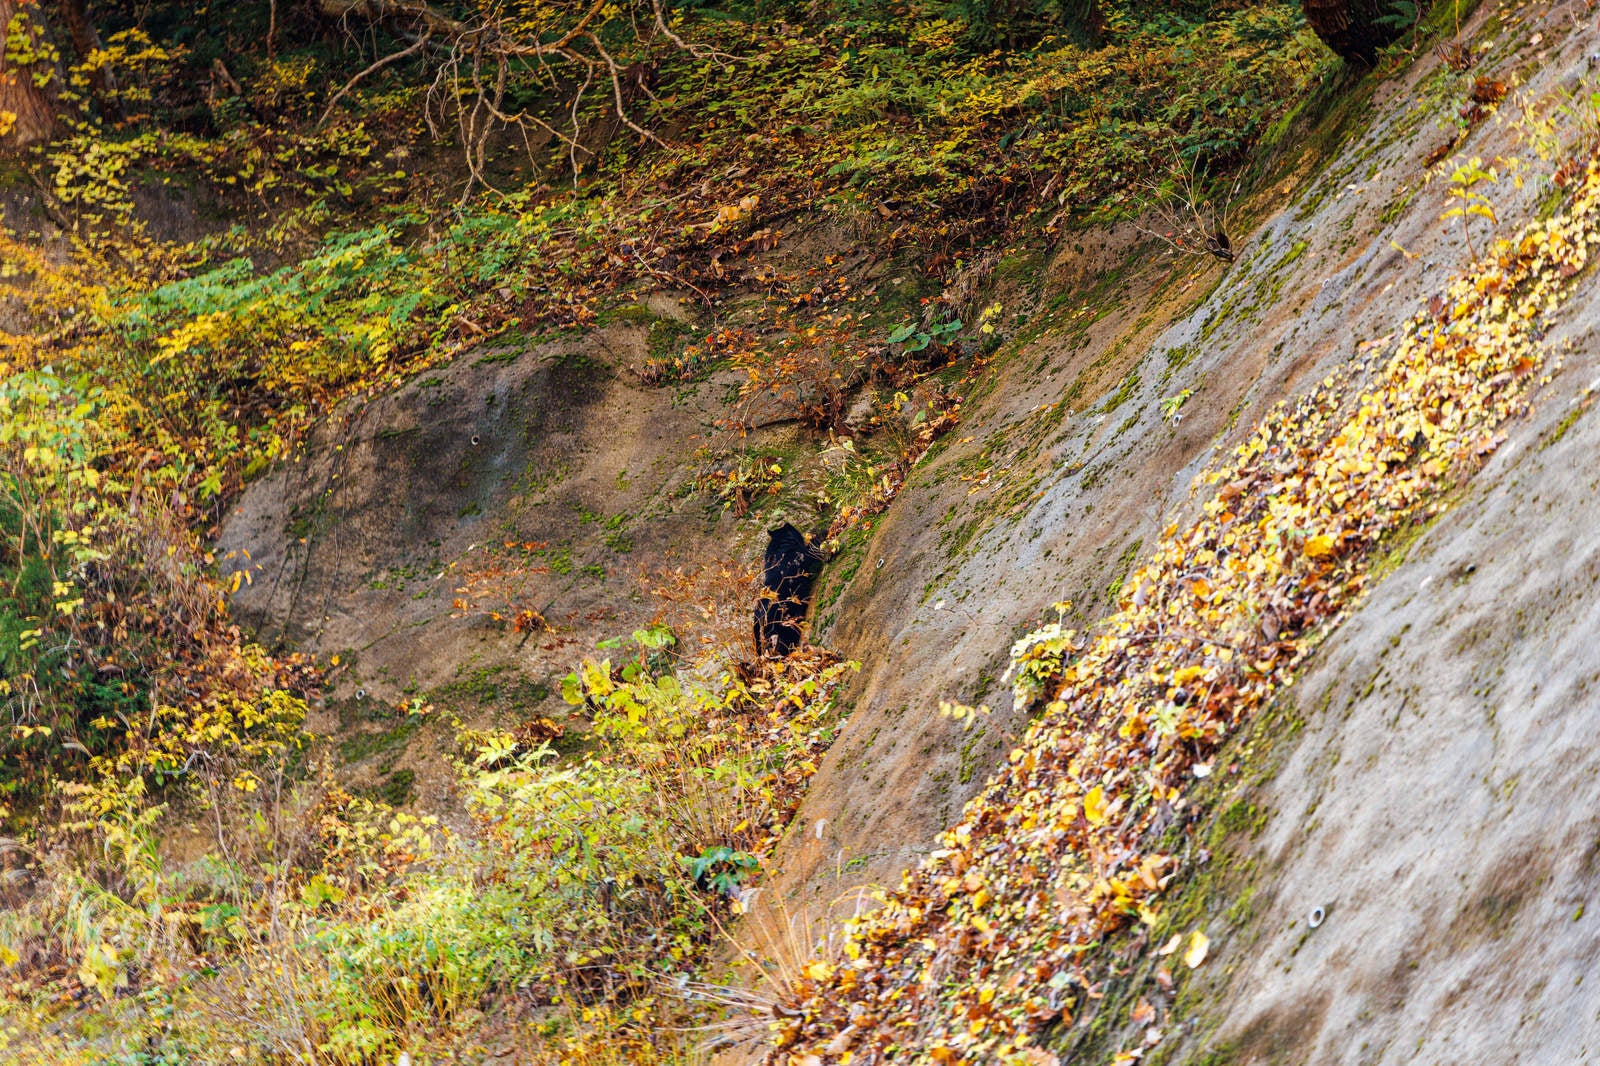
x=823 y=229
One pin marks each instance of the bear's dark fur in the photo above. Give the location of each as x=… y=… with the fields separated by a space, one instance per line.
x=786 y=577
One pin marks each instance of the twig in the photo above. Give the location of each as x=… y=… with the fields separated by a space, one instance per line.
x=705 y=297
x=616 y=91
x=1194 y=235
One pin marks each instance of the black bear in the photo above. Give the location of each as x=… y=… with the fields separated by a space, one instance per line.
x=786 y=576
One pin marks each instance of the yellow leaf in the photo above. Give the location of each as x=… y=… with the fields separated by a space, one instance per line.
x=1319 y=545
x=1094 y=806
x=819 y=970
x=1199 y=944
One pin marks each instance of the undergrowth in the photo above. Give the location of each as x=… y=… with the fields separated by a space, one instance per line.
x=575 y=906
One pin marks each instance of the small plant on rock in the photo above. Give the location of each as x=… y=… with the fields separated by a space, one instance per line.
x=1468 y=201
x=912 y=339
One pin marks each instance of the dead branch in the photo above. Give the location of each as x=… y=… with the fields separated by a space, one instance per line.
x=220 y=74
x=387 y=60
x=410 y=11
x=1180 y=207
x=699 y=51
x=468 y=50
x=616 y=90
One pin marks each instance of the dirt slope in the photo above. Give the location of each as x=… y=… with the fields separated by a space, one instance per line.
x=360 y=546
x=519 y=476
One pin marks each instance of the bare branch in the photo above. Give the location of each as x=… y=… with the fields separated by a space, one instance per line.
x=1179 y=206
x=422 y=42
x=616 y=91
x=413 y=11
x=571 y=62
x=699 y=51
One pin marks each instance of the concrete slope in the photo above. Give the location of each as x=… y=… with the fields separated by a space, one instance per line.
x=1077 y=456
x=1443 y=801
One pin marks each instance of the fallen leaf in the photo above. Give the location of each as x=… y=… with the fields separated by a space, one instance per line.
x=1094 y=806
x=1199 y=944
x=1488 y=90
x=1270 y=627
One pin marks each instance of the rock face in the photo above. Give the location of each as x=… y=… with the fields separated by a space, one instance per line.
x=1143 y=371
x=1441 y=800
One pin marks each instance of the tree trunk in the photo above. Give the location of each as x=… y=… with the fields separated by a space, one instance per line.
x=1085 y=20
x=85 y=40
x=27 y=110
x=1351 y=27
